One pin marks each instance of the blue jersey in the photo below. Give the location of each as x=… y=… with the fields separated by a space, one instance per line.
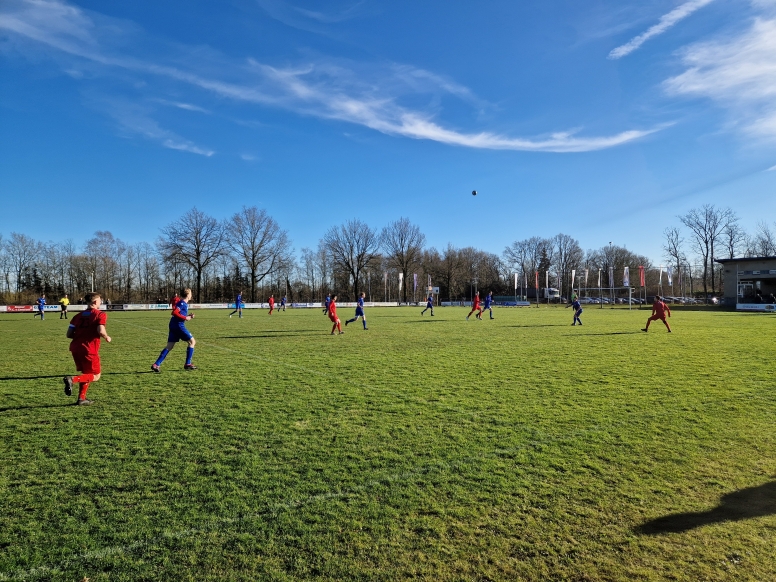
x=283 y=300
x=41 y=303
x=238 y=302
x=488 y=301
x=430 y=300
x=576 y=305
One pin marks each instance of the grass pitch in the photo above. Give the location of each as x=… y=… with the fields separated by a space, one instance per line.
x=426 y=447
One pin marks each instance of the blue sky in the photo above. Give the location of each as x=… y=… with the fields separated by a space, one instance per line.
x=601 y=120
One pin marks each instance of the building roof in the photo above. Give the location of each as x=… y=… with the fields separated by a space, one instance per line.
x=744 y=259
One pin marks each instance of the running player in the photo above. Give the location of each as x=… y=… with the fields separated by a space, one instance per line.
x=178 y=332
x=429 y=304
x=238 y=305
x=359 y=312
x=659 y=310
x=282 y=303
x=85 y=330
x=271 y=304
x=577 y=311
x=489 y=305
x=64 y=302
x=326 y=305
x=333 y=315
x=41 y=301
x=476 y=306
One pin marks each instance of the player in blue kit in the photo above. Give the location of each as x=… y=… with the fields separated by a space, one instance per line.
x=238 y=304
x=178 y=332
x=282 y=303
x=41 y=301
x=577 y=311
x=359 y=312
x=429 y=304
x=489 y=305
x=326 y=305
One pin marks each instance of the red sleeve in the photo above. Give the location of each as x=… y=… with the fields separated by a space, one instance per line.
x=177 y=313
x=102 y=318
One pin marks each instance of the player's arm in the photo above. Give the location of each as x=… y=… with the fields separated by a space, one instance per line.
x=104 y=334
x=70 y=333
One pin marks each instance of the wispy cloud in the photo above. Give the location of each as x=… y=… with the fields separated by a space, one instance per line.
x=771 y=169
x=737 y=72
x=322 y=89
x=666 y=22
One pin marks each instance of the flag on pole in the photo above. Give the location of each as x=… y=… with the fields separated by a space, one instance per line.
x=525 y=278
x=660 y=278
x=611 y=277
x=641 y=275
x=586 y=277
x=599 y=278
x=515 y=281
x=414 y=281
x=670 y=275
x=573 y=276
x=547 y=279
x=537 y=284
x=401 y=280
x=626 y=278
x=385 y=277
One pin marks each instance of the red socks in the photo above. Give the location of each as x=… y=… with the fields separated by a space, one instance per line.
x=84 y=388
x=84 y=378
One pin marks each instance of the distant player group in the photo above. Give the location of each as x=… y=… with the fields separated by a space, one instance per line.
x=87 y=329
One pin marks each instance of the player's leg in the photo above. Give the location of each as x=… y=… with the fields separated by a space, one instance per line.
x=339 y=327
x=190 y=354
x=334 y=326
x=668 y=327
x=172 y=339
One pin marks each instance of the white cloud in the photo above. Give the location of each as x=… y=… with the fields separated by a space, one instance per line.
x=739 y=73
x=666 y=22
x=324 y=89
x=771 y=169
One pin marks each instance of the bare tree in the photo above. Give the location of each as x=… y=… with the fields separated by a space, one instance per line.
x=734 y=239
x=403 y=244
x=764 y=240
x=352 y=246
x=707 y=225
x=568 y=256
x=672 y=247
x=22 y=251
x=257 y=239
x=195 y=239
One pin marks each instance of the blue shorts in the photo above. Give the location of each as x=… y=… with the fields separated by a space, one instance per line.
x=579 y=311
x=359 y=311
x=178 y=333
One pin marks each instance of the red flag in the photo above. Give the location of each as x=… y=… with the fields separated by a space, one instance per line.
x=537 y=283
x=641 y=275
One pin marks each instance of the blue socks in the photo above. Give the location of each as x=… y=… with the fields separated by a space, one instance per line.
x=189 y=355
x=162 y=356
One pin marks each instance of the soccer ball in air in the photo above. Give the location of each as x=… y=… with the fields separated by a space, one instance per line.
x=474 y=192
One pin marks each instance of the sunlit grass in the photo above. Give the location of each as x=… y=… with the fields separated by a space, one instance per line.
x=426 y=447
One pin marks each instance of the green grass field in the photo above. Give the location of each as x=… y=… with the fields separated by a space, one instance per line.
x=424 y=448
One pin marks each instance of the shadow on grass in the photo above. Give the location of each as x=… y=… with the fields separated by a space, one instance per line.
x=744 y=504
x=425 y=320
x=286 y=334
x=543 y=325
x=25 y=406
x=60 y=376
x=608 y=333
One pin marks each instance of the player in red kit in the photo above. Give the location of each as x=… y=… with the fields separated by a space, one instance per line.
x=86 y=329
x=271 y=304
x=659 y=310
x=333 y=316
x=476 y=306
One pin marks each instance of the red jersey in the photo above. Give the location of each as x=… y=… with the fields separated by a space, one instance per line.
x=271 y=301
x=476 y=301
x=86 y=336
x=659 y=308
x=332 y=311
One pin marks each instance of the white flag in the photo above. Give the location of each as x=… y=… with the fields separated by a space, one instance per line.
x=626 y=278
x=573 y=276
x=515 y=281
x=586 y=277
x=611 y=277
x=401 y=280
x=670 y=275
x=599 y=278
x=660 y=278
x=547 y=279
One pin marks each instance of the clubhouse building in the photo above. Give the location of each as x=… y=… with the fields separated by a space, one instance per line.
x=750 y=284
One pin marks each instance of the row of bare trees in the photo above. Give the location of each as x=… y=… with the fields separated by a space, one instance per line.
x=250 y=252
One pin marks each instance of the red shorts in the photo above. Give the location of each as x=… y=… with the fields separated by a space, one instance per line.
x=333 y=318
x=656 y=317
x=86 y=361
